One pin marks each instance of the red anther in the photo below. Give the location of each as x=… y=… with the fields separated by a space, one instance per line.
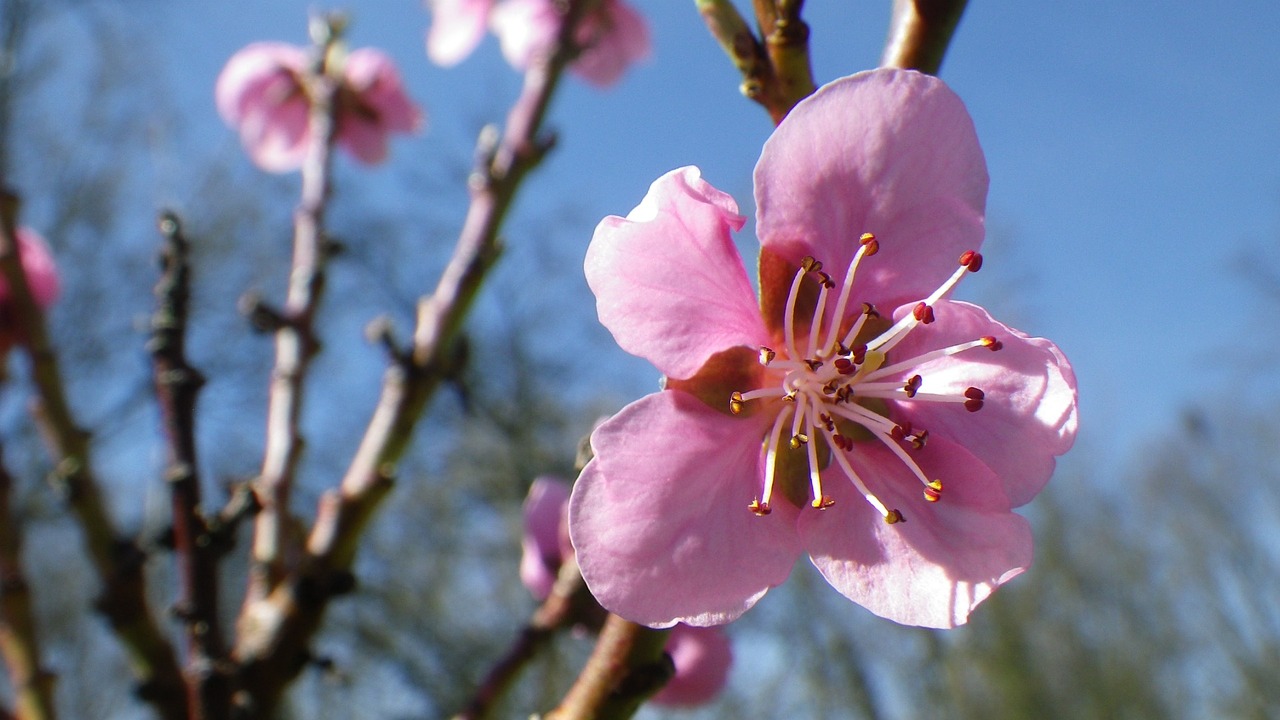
x=974 y=393
x=824 y=502
x=992 y=344
x=759 y=508
x=894 y=516
x=972 y=260
x=870 y=243
x=870 y=310
x=920 y=439
x=901 y=431
x=922 y=313
x=841 y=441
x=845 y=366
x=912 y=385
x=859 y=354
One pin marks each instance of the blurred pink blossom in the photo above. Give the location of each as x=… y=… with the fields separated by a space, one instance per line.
x=261 y=94
x=613 y=37
x=42 y=278
x=856 y=413
x=701 y=656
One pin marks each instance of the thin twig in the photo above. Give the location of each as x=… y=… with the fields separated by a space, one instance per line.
x=919 y=33
x=177 y=385
x=19 y=644
x=117 y=559
x=276 y=630
x=296 y=343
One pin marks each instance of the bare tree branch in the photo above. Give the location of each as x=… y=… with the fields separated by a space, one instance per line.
x=919 y=33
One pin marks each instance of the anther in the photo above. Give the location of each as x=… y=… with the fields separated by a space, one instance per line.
x=933 y=491
x=845 y=366
x=975 y=398
x=912 y=385
x=922 y=313
x=870 y=310
x=870 y=243
x=808 y=264
x=736 y=402
x=900 y=432
x=798 y=439
x=991 y=343
x=920 y=439
x=858 y=354
x=759 y=508
x=972 y=260
x=813 y=364
x=893 y=517
x=823 y=503
x=767 y=356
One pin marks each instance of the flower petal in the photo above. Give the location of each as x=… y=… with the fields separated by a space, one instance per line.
x=1029 y=414
x=935 y=567
x=374 y=77
x=250 y=73
x=702 y=656
x=526 y=29
x=668 y=281
x=545 y=509
x=890 y=152
x=660 y=521
x=615 y=36
x=457 y=26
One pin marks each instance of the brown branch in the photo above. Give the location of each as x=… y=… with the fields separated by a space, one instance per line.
x=177 y=385
x=275 y=631
x=919 y=33
x=626 y=667
x=295 y=338
x=570 y=603
x=117 y=559
x=19 y=644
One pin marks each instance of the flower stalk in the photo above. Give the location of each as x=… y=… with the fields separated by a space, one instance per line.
x=775 y=67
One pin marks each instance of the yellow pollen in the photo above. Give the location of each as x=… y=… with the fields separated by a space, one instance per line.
x=893 y=517
x=736 y=402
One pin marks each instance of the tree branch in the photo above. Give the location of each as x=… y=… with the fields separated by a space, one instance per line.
x=117 y=559
x=775 y=67
x=296 y=342
x=276 y=630
x=32 y=684
x=919 y=33
x=626 y=667
x=177 y=384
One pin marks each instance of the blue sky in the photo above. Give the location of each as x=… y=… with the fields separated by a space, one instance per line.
x=1133 y=152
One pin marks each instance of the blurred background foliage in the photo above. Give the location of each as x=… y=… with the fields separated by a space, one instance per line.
x=1153 y=594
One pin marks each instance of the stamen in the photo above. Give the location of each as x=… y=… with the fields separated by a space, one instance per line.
x=930 y=356
x=933 y=491
x=736 y=402
x=788 y=318
x=869 y=246
x=767 y=356
x=843 y=461
x=820 y=501
x=923 y=309
x=912 y=385
x=760 y=506
x=975 y=398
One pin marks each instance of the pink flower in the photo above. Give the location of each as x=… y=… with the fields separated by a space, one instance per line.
x=701 y=656
x=613 y=37
x=42 y=278
x=261 y=93
x=856 y=413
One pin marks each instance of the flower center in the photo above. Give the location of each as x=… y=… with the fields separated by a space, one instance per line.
x=826 y=384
